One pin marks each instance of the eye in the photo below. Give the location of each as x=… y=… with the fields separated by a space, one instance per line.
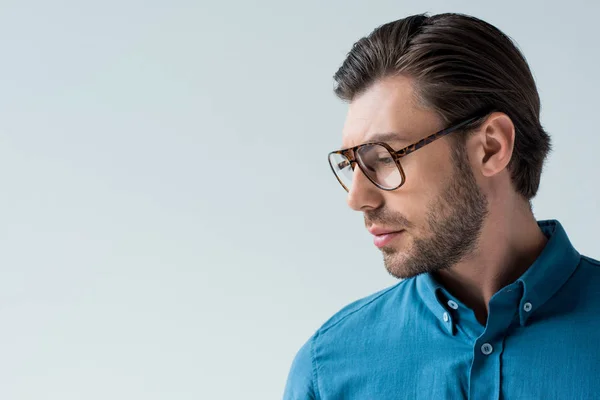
x=385 y=160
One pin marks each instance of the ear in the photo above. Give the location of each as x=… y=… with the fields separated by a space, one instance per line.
x=495 y=144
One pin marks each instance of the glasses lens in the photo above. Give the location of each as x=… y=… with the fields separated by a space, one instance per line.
x=342 y=168
x=379 y=165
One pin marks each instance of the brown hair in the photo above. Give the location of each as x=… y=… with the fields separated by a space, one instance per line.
x=461 y=65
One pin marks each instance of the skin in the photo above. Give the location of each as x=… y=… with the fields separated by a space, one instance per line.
x=462 y=219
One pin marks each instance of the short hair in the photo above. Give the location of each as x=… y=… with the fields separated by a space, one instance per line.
x=460 y=65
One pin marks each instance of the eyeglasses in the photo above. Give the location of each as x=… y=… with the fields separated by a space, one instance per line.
x=379 y=162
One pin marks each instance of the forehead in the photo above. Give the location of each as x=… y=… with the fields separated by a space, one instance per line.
x=387 y=107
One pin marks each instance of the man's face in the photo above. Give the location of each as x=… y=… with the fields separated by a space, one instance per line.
x=440 y=208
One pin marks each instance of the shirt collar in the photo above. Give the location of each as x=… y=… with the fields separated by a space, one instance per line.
x=553 y=267
x=550 y=271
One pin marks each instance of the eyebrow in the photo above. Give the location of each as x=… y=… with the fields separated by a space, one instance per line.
x=393 y=137
x=387 y=137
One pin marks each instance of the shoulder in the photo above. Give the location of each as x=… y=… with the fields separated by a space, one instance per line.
x=588 y=271
x=585 y=281
x=365 y=307
x=302 y=378
x=590 y=262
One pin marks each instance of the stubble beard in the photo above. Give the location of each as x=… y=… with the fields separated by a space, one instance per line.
x=455 y=221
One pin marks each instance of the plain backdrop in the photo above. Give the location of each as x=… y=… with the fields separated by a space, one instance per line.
x=169 y=225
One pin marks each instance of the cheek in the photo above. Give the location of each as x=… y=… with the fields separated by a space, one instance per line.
x=424 y=180
x=424 y=185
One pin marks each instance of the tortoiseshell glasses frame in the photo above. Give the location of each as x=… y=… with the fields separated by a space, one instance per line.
x=347 y=157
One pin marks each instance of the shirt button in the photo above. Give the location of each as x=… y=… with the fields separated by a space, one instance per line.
x=527 y=307
x=446 y=317
x=453 y=304
x=487 y=349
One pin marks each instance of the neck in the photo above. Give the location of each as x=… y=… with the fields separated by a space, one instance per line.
x=510 y=242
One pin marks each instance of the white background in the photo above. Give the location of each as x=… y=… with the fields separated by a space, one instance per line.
x=169 y=226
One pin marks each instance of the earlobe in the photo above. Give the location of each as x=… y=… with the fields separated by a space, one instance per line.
x=498 y=137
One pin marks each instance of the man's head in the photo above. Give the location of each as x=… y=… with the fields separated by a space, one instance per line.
x=415 y=77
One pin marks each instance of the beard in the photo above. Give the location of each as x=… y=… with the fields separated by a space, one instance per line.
x=455 y=220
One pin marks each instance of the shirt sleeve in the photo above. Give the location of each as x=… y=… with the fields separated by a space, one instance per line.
x=299 y=384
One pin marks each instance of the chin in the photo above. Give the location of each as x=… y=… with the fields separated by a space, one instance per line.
x=396 y=264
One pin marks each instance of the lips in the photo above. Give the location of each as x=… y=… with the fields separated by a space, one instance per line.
x=383 y=236
x=377 y=230
x=386 y=238
x=383 y=232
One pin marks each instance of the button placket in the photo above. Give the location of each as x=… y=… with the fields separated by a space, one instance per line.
x=485 y=374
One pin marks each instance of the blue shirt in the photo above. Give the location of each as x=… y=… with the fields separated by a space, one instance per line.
x=416 y=341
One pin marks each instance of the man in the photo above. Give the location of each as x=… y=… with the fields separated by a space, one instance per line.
x=442 y=151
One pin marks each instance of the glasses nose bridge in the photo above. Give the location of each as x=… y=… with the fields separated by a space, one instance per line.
x=350 y=154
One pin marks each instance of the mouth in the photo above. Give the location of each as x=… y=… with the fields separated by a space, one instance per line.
x=385 y=238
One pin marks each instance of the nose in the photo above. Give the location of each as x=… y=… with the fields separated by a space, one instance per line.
x=363 y=194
